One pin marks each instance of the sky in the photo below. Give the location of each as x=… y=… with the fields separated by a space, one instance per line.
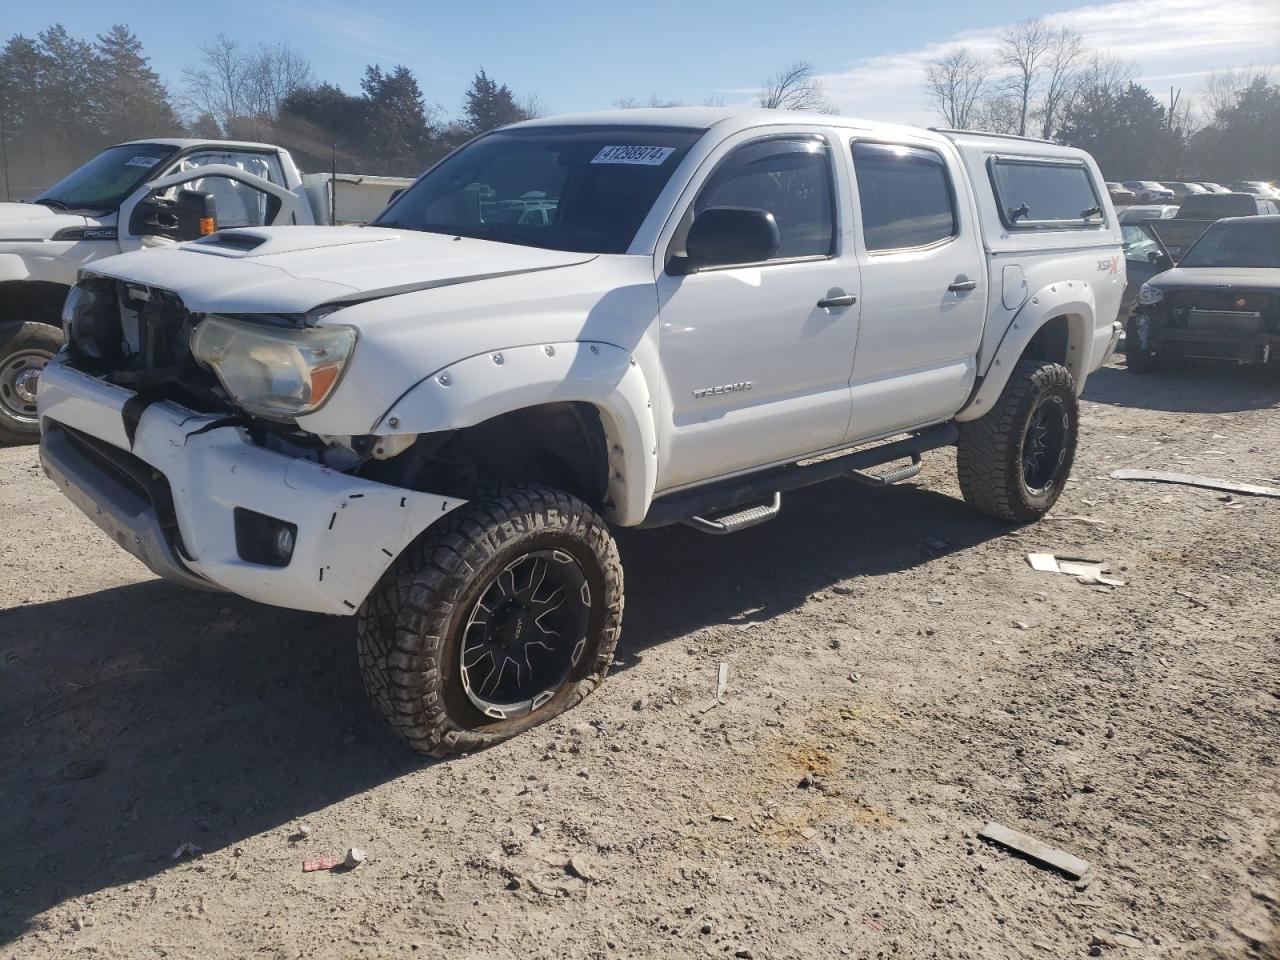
x=578 y=56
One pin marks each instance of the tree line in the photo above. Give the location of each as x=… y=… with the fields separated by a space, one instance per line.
x=1042 y=81
x=63 y=99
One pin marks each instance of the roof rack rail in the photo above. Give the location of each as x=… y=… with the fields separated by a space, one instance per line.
x=998 y=136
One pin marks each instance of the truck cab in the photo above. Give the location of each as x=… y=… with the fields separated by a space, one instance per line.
x=138 y=195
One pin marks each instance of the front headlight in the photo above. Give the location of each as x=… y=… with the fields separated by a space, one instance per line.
x=1149 y=294
x=274 y=372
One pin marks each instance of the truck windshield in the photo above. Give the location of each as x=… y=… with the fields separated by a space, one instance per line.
x=580 y=188
x=1254 y=242
x=106 y=180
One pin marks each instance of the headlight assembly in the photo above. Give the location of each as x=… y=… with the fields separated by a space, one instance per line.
x=274 y=372
x=1149 y=294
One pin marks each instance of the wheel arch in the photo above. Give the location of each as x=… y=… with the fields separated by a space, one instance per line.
x=1055 y=324
x=582 y=407
x=33 y=301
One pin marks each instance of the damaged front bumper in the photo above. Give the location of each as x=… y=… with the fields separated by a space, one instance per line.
x=167 y=483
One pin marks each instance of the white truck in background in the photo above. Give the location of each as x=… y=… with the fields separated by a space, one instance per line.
x=146 y=193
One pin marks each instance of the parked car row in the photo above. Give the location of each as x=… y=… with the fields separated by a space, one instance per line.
x=1177 y=191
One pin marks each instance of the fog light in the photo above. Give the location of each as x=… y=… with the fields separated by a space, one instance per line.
x=283 y=542
x=262 y=539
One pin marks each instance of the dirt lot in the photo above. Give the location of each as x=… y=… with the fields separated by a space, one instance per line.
x=886 y=648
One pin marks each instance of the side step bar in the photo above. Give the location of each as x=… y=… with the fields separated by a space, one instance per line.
x=701 y=502
x=749 y=517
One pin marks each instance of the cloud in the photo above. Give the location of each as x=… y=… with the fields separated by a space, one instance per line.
x=1169 y=40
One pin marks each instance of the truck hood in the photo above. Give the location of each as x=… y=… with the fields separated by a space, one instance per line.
x=1207 y=278
x=296 y=269
x=34 y=221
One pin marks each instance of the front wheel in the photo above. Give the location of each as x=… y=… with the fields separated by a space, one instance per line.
x=25 y=348
x=1014 y=461
x=501 y=616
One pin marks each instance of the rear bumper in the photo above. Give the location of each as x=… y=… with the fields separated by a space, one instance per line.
x=168 y=495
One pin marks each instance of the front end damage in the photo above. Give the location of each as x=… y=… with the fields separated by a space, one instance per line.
x=147 y=443
x=1242 y=326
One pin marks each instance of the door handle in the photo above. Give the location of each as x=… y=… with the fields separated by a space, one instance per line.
x=959 y=286
x=844 y=300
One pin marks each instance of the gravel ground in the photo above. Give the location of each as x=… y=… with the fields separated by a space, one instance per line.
x=898 y=676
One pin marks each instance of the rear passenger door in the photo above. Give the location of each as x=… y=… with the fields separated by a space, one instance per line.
x=923 y=287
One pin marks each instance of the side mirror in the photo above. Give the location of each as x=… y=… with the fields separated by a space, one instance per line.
x=190 y=215
x=723 y=236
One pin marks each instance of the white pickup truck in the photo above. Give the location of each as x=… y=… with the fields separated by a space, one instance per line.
x=135 y=195
x=634 y=319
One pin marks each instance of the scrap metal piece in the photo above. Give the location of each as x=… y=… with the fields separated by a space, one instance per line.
x=1029 y=846
x=1193 y=480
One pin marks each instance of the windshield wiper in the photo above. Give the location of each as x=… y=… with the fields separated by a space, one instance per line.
x=50 y=202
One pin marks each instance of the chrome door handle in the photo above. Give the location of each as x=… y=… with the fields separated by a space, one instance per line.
x=844 y=300
x=961 y=285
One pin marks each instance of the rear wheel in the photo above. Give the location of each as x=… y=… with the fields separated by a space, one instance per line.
x=500 y=617
x=25 y=348
x=1014 y=461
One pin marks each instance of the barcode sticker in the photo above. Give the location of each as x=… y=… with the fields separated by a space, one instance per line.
x=645 y=156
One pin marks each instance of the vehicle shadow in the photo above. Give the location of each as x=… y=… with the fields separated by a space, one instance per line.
x=1188 y=388
x=138 y=718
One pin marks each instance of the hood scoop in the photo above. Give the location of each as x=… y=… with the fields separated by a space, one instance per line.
x=233 y=240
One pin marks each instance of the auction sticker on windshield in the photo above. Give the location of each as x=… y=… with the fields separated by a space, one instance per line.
x=142 y=162
x=649 y=156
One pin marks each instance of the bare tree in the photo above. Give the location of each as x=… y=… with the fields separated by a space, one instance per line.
x=532 y=106
x=1222 y=88
x=244 y=88
x=1024 y=48
x=795 y=88
x=1064 y=54
x=635 y=103
x=954 y=84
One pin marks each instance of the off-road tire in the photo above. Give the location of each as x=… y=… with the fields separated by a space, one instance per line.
x=17 y=339
x=1136 y=359
x=409 y=629
x=989 y=455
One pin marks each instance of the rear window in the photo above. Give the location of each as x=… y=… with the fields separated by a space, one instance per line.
x=1038 y=194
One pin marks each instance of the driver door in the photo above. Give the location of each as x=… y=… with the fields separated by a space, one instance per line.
x=756 y=370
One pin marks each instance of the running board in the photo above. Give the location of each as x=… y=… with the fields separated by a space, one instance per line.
x=750 y=517
x=738 y=492
x=889 y=477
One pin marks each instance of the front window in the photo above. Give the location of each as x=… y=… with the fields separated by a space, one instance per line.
x=579 y=188
x=106 y=180
x=1240 y=243
x=791 y=178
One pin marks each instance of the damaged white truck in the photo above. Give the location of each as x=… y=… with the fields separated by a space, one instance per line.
x=627 y=319
x=134 y=196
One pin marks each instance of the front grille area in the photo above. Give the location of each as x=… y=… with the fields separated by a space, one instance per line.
x=137 y=337
x=1257 y=309
x=130 y=472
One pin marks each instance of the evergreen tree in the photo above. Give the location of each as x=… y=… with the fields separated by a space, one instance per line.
x=1125 y=130
x=488 y=105
x=129 y=99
